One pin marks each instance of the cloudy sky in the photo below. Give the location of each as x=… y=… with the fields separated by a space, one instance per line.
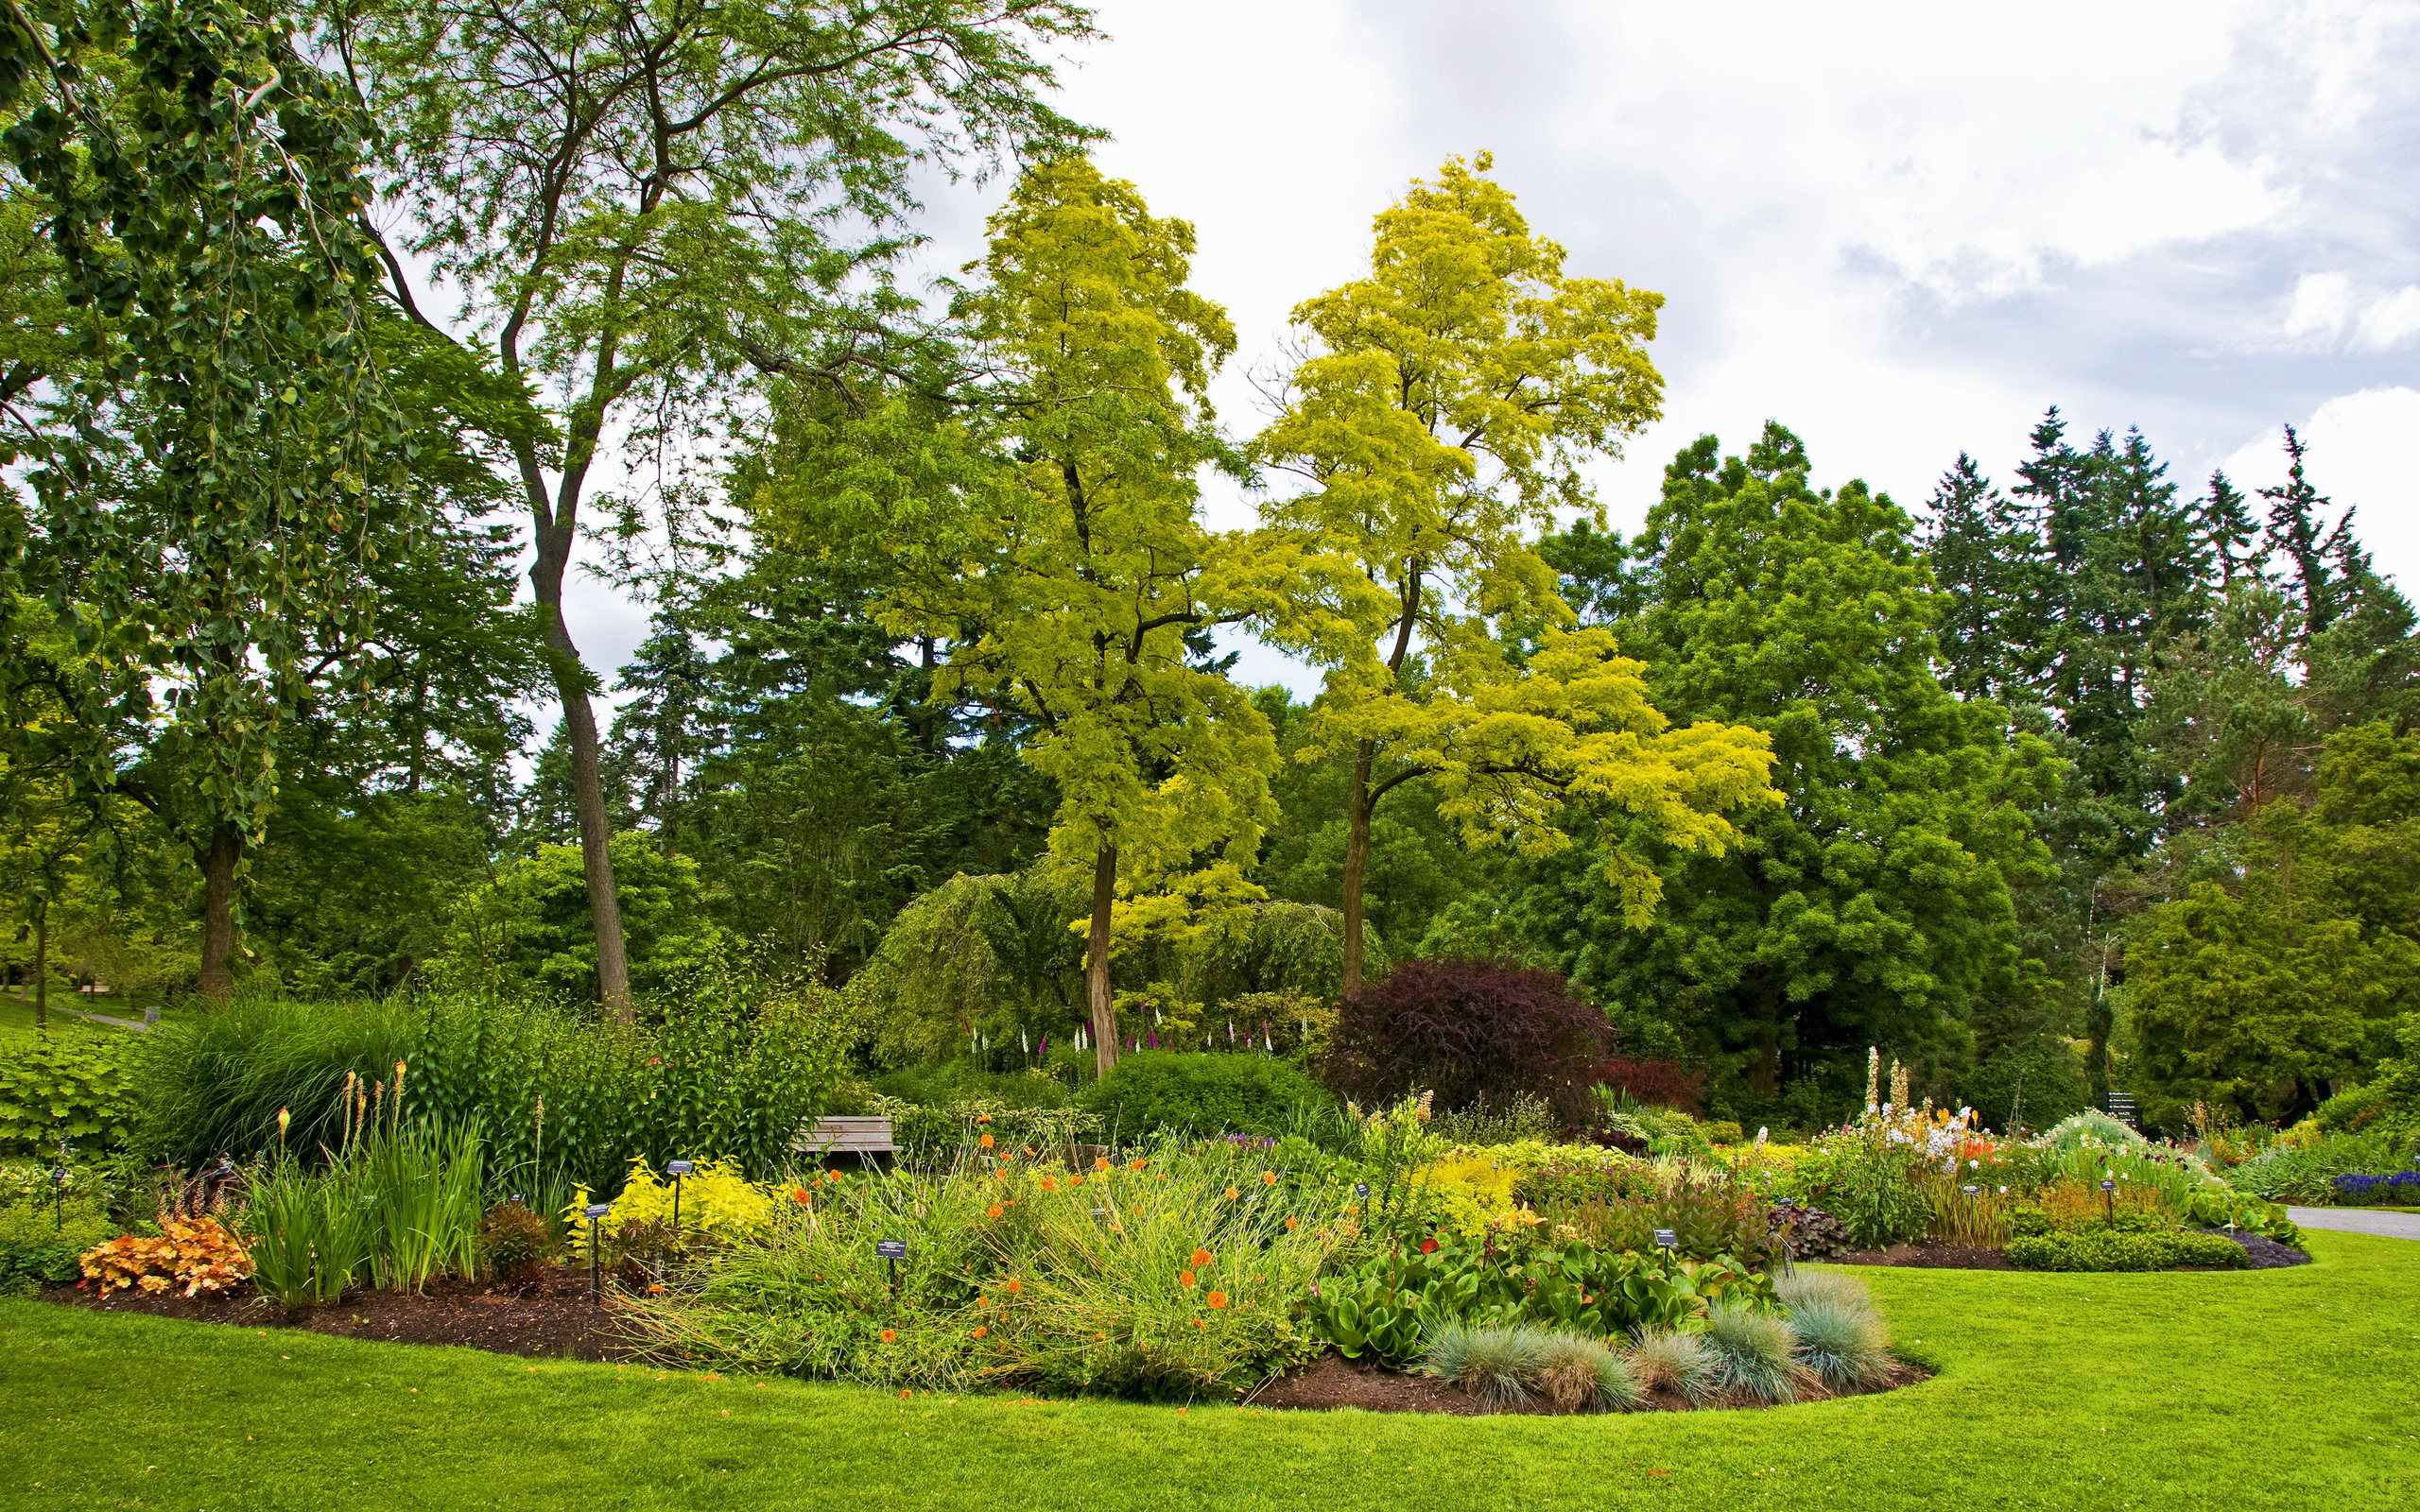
x=1903 y=230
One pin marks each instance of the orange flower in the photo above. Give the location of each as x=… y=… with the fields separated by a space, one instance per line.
x=980 y=1331
x=1185 y=1277
x=891 y=1335
x=983 y=1117
x=1291 y=1221
x=1233 y=1194
x=1048 y=1185
x=802 y=1196
x=1016 y=1286
x=1268 y=1178
x=1215 y=1300
x=1100 y=1163
x=986 y=1142
x=1075 y=1180
x=1202 y=1257
x=1138 y=1162
x=994 y=1210
x=832 y=1176
x=1198 y=1324
x=904 y=1395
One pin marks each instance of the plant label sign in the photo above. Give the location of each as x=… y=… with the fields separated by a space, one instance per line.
x=1361 y=1190
x=1970 y=1190
x=2109 y=1186
x=890 y=1250
x=598 y=1210
x=1666 y=1239
x=1784 y=1203
x=680 y=1167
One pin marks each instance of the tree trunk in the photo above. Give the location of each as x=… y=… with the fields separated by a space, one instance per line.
x=218 y=912
x=1765 y=1075
x=587 y=778
x=1098 y=1007
x=41 y=966
x=1357 y=861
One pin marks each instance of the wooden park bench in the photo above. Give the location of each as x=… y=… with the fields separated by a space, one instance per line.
x=868 y=1139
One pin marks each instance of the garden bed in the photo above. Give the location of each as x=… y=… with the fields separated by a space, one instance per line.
x=552 y=1319
x=1332 y=1382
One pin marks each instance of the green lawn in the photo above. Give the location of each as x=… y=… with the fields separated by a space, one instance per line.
x=2257 y=1391
x=17 y=1015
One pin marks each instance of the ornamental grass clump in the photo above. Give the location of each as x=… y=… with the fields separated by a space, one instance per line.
x=1581 y=1375
x=1841 y=1340
x=1757 y=1353
x=1682 y=1363
x=1499 y=1366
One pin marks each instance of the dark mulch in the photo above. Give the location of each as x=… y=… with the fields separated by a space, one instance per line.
x=550 y=1319
x=1332 y=1381
x=1928 y=1257
x=2267 y=1254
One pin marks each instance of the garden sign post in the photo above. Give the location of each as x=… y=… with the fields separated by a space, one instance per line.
x=891 y=1251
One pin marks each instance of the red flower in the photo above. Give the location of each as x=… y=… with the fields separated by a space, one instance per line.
x=1428 y=1247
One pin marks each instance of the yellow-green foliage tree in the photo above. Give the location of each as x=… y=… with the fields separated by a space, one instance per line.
x=1450 y=400
x=1041 y=523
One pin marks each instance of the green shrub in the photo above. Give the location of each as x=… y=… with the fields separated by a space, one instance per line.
x=38 y=1242
x=2108 y=1249
x=78 y=1089
x=1202 y=1094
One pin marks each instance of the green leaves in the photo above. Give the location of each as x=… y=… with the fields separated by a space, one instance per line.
x=61 y=1089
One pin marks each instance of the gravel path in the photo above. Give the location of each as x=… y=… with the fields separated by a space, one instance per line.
x=2358 y=1221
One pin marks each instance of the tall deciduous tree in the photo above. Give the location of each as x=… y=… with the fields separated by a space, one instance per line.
x=1450 y=402
x=642 y=200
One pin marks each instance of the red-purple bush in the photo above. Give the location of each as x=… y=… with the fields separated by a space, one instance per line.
x=1656 y=1083
x=1475 y=1033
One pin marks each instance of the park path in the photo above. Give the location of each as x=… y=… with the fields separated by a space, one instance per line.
x=2358 y=1221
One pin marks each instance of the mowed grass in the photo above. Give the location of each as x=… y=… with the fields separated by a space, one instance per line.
x=2263 y=1390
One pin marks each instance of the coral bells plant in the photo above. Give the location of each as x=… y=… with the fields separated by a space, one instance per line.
x=197 y=1255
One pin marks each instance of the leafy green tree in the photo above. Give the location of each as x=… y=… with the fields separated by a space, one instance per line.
x=2260 y=991
x=1449 y=402
x=643 y=204
x=205 y=487
x=1872 y=907
x=528 y=931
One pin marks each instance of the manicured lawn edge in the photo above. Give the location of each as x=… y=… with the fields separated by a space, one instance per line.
x=2274 y=1389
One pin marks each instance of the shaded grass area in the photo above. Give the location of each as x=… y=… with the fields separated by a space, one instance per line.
x=17 y=1016
x=2277 y=1389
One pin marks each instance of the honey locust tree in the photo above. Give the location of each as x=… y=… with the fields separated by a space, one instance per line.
x=1451 y=397
x=1044 y=526
x=649 y=204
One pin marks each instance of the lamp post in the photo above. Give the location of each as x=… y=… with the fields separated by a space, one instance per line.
x=596 y=1211
x=679 y=1169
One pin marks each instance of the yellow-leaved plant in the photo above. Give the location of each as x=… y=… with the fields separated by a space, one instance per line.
x=1448 y=404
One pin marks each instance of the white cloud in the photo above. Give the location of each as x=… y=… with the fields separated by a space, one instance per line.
x=2326 y=311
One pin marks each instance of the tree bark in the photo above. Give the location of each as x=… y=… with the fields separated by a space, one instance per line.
x=41 y=966
x=1357 y=861
x=1765 y=1077
x=587 y=775
x=218 y=912
x=1097 y=1007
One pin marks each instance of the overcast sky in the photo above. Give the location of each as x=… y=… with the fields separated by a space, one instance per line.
x=1903 y=230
